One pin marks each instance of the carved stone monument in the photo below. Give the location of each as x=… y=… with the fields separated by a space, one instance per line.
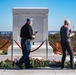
x=40 y=23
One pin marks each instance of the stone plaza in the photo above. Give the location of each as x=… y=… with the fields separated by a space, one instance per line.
x=38 y=71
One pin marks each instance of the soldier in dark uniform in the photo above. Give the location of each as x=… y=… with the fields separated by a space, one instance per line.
x=65 y=43
x=26 y=34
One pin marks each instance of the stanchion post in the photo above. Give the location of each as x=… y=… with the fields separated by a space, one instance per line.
x=12 y=48
x=46 y=49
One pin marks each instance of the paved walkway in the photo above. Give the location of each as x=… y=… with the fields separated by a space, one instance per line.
x=38 y=71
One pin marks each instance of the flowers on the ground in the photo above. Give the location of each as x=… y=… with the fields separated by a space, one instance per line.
x=35 y=62
x=16 y=59
x=6 y=64
x=34 y=33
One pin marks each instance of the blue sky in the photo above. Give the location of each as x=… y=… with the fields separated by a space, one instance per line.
x=59 y=10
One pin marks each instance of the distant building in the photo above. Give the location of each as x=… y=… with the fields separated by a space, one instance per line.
x=53 y=32
x=10 y=32
x=6 y=32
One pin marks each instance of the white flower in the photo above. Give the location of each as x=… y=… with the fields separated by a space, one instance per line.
x=15 y=60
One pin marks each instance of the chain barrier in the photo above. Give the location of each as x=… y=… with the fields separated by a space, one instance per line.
x=4 y=44
x=54 y=47
x=74 y=49
x=37 y=47
x=31 y=50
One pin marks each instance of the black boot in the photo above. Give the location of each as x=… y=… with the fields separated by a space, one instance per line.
x=20 y=66
x=29 y=67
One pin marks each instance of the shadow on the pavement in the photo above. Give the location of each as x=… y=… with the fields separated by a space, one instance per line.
x=9 y=68
x=49 y=68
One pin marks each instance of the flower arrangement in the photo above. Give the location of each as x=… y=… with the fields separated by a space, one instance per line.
x=35 y=63
x=6 y=64
x=35 y=32
x=40 y=62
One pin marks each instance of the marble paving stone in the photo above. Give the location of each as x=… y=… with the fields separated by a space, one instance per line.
x=64 y=72
x=38 y=71
x=28 y=72
x=75 y=70
x=1 y=71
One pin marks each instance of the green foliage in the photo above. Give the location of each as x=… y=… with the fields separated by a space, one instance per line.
x=40 y=63
x=6 y=64
x=54 y=37
x=35 y=63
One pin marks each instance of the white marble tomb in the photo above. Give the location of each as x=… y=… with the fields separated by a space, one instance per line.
x=40 y=23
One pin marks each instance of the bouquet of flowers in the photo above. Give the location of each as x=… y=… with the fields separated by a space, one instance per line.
x=35 y=32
